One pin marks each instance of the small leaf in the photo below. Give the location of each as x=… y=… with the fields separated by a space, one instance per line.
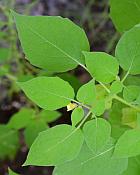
x=98 y=107
x=21 y=119
x=57 y=42
x=87 y=93
x=97 y=134
x=116 y=87
x=55 y=146
x=77 y=115
x=128 y=51
x=128 y=145
x=102 y=66
x=49 y=93
x=131 y=92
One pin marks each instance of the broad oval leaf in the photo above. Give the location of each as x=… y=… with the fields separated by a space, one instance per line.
x=88 y=163
x=125 y=13
x=128 y=145
x=57 y=42
x=102 y=66
x=48 y=92
x=55 y=146
x=128 y=51
x=97 y=134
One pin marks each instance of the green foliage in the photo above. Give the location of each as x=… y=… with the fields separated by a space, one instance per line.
x=55 y=146
x=21 y=119
x=92 y=144
x=131 y=92
x=102 y=66
x=77 y=116
x=33 y=129
x=97 y=134
x=125 y=13
x=128 y=144
x=116 y=87
x=49 y=116
x=127 y=51
x=88 y=162
x=48 y=92
x=55 y=38
x=129 y=117
x=87 y=93
x=9 y=142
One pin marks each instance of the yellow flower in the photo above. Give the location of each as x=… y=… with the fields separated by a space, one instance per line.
x=71 y=106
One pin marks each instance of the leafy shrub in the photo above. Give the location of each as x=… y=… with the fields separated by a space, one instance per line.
x=94 y=142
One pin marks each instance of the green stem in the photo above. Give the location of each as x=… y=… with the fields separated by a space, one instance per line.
x=81 y=104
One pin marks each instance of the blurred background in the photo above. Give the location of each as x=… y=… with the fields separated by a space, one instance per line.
x=93 y=16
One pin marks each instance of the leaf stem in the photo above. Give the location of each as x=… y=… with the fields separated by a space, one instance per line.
x=80 y=104
x=126 y=103
x=120 y=99
x=104 y=87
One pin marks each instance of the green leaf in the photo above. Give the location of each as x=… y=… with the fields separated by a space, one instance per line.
x=77 y=115
x=55 y=146
x=33 y=129
x=87 y=93
x=133 y=166
x=128 y=145
x=131 y=92
x=102 y=66
x=49 y=93
x=116 y=87
x=89 y=163
x=129 y=117
x=98 y=107
x=49 y=116
x=11 y=172
x=128 y=51
x=9 y=142
x=57 y=42
x=125 y=13
x=97 y=134
x=21 y=119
